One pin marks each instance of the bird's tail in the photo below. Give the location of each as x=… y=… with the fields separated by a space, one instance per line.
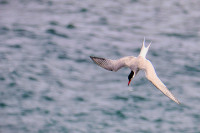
x=144 y=50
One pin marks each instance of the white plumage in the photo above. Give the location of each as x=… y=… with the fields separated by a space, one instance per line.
x=136 y=64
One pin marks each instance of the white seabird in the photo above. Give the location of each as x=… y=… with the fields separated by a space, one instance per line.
x=136 y=64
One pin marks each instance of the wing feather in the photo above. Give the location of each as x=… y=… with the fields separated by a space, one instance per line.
x=108 y=64
x=153 y=78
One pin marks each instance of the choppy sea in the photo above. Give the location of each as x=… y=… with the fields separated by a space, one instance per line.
x=48 y=83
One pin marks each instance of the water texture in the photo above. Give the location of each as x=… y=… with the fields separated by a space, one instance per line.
x=48 y=84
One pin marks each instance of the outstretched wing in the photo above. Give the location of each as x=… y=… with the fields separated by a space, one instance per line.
x=111 y=65
x=151 y=76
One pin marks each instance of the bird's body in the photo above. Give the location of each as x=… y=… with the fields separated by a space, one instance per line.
x=136 y=64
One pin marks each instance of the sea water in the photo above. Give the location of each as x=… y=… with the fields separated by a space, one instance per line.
x=48 y=83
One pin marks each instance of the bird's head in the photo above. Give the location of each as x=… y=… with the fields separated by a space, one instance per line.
x=130 y=76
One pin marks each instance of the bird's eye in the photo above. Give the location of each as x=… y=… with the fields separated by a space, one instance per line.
x=130 y=75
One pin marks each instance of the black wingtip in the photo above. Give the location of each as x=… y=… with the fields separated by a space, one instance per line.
x=93 y=57
x=178 y=102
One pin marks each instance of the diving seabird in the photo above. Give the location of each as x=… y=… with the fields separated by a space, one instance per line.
x=136 y=64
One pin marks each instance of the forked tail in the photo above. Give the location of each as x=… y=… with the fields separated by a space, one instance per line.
x=144 y=50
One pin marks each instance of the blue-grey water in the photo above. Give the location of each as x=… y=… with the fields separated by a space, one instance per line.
x=48 y=83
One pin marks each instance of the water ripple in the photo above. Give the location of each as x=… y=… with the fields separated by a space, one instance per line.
x=49 y=83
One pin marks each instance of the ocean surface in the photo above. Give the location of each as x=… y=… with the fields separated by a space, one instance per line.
x=48 y=83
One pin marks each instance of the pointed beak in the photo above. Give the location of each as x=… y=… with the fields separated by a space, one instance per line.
x=129 y=82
